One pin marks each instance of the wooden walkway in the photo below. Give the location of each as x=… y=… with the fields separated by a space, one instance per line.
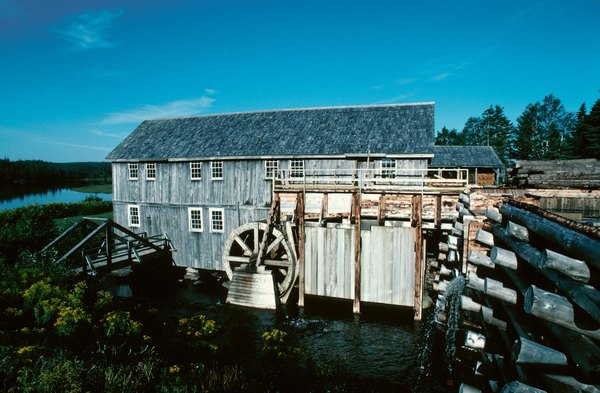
x=94 y=246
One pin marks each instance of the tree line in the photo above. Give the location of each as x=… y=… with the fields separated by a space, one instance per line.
x=544 y=131
x=42 y=172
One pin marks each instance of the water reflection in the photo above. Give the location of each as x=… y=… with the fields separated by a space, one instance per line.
x=19 y=195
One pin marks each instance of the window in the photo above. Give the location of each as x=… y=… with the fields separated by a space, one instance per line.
x=133 y=215
x=271 y=167
x=296 y=168
x=216 y=220
x=195 y=219
x=196 y=170
x=133 y=171
x=151 y=171
x=216 y=170
x=388 y=168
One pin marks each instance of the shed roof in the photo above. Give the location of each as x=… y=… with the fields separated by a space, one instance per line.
x=378 y=129
x=465 y=157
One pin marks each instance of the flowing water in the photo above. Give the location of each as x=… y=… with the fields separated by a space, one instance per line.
x=382 y=345
x=453 y=317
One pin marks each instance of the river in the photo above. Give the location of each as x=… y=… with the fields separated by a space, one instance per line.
x=381 y=345
x=14 y=196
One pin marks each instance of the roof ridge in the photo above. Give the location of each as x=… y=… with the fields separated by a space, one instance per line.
x=316 y=108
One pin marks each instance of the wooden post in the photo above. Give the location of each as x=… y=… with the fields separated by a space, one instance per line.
x=357 y=245
x=300 y=215
x=417 y=209
x=324 y=207
x=108 y=244
x=438 y=211
x=381 y=210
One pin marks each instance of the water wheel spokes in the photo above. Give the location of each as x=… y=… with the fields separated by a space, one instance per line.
x=241 y=249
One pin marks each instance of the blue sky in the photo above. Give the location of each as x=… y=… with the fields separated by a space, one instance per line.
x=77 y=76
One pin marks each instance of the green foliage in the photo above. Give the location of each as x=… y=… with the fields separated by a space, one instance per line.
x=196 y=330
x=120 y=324
x=277 y=343
x=448 y=137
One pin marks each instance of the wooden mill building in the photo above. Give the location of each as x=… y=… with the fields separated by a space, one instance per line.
x=208 y=181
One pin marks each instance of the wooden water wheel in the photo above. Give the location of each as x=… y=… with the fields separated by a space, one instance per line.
x=280 y=256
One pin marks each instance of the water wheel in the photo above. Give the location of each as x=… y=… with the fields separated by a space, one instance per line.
x=280 y=257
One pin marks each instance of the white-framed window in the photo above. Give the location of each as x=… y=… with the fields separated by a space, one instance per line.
x=297 y=168
x=271 y=167
x=133 y=171
x=133 y=215
x=195 y=219
x=216 y=170
x=217 y=223
x=196 y=170
x=388 y=168
x=151 y=171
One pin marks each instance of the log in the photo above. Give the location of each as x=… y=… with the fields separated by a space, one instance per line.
x=453 y=256
x=518 y=231
x=584 y=296
x=554 y=308
x=464 y=213
x=479 y=258
x=503 y=257
x=434 y=264
x=520 y=387
x=493 y=215
x=578 y=245
x=582 y=350
x=474 y=340
x=444 y=271
x=464 y=388
x=468 y=304
x=497 y=290
x=443 y=247
x=574 y=268
x=440 y=286
x=530 y=353
x=456 y=232
x=453 y=242
x=488 y=317
x=442 y=257
x=485 y=238
x=475 y=282
x=464 y=198
x=567 y=384
x=458 y=226
x=459 y=206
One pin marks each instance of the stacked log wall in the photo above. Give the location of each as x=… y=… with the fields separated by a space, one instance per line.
x=532 y=299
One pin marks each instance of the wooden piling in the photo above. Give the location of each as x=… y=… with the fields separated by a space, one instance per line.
x=356 y=215
x=300 y=213
x=417 y=210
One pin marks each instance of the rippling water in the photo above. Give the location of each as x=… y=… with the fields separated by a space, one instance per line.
x=381 y=345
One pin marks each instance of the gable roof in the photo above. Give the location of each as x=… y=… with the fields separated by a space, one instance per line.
x=378 y=129
x=465 y=157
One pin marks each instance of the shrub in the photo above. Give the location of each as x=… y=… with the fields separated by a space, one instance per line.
x=120 y=324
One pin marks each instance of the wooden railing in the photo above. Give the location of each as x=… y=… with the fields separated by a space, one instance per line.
x=364 y=180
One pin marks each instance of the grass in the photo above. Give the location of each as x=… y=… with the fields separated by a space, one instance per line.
x=62 y=224
x=95 y=188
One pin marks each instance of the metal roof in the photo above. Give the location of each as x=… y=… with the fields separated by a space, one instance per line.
x=352 y=130
x=465 y=156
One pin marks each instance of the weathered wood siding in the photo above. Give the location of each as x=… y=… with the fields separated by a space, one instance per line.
x=387 y=263
x=244 y=194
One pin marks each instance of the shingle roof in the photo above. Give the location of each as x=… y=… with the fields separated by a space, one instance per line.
x=380 y=129
x=465 y=156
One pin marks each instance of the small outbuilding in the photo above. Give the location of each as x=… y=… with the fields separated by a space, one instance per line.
x=484 y=166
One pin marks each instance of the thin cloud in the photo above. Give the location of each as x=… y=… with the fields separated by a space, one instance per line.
x=108 y=134
x=440 y=77
x=398 y=98
x=171 y=109
x=210 y=91
x=89 y=30
x=88 y=147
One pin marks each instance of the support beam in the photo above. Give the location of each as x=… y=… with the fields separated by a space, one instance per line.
x=300 y=215
x=356 y=201
x=417 y=204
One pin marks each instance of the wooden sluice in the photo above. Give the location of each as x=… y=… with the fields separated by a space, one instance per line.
x=347 y=235
x=531 y=310
x=96 y=246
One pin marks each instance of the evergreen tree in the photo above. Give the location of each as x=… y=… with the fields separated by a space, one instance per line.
x=473 y=133
x=527 y=135
x=448 y=137
x=557 y=125
x=580 y=144
x=592 y=130
x=499 y=131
